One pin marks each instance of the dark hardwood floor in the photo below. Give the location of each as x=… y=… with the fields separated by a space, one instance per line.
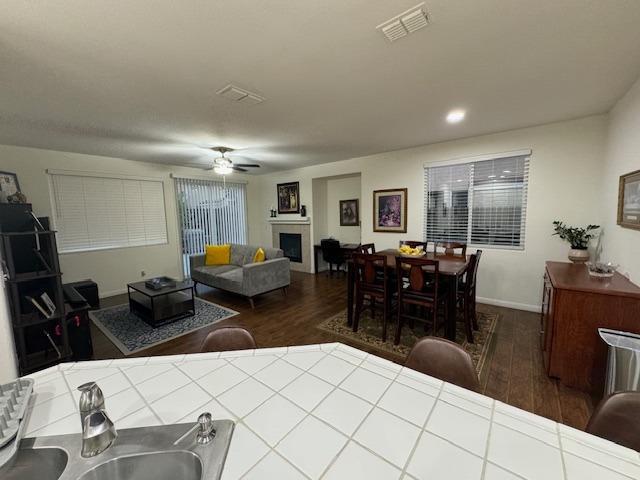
x=513 y=373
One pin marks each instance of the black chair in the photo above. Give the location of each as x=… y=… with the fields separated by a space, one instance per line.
x=467 y=295
x=617 y=419
x=372 y=284
x=332 y=253
x=368 y=248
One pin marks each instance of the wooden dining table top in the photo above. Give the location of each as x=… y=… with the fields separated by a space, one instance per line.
x=447 y=264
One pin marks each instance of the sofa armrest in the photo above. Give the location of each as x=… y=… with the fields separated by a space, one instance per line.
x=196 y=261
x=265 y=276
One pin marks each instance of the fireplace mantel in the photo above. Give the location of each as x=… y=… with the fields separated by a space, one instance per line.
x=290 y=221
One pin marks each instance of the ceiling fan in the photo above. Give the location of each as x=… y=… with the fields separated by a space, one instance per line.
x=224 y=165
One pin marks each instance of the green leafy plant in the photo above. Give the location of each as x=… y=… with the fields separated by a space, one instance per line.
x=578 y=237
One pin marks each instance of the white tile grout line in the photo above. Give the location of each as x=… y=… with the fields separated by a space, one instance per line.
x=486 y=447
x=422 y=430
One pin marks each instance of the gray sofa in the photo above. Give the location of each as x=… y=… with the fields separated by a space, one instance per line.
x=242 y=276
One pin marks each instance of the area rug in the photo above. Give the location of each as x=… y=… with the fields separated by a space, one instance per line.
x=370 y=332
x=131 y=334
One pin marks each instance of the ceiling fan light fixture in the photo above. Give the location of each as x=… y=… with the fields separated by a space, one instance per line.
x=223 y=169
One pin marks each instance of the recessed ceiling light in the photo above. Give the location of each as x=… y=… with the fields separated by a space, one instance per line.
x=491 y=176
x=455 y=116
x=506 y=171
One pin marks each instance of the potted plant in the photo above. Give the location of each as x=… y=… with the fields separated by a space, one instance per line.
x=578 y=238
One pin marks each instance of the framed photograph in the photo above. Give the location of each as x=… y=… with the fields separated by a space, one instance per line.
x=349 y=214
x=629 y=200
x=8 y=184
x=390 y=210
x=289 y=197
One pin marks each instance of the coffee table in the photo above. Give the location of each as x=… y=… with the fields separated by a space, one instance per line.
x=162 y=306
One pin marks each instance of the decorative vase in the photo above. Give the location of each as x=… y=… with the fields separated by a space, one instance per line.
x=579 y=255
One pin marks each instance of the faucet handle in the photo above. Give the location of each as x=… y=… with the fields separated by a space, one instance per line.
x=92 y=397
x=206 y=431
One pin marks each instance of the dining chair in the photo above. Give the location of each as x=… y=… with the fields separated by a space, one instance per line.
x=450 y=248
x=372 y=284
x=617 y=419
x=368 y=248
x=332 y=253
x=225 y=339
x=418 y=282
x=414 y=244
x=443 y=359
x=467 y=295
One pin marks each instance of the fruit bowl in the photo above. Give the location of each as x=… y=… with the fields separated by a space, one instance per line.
x=411 y=252
x=601 y=270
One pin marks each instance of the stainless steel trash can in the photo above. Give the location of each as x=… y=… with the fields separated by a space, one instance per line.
x=623 y=365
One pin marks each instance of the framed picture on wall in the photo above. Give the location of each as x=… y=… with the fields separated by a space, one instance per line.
x=289 y=197
x=8 y=184
x=390 y=210
x=629 y=200
x=349 y=214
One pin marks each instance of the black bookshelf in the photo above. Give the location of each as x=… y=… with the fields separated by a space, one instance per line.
x=30 y=258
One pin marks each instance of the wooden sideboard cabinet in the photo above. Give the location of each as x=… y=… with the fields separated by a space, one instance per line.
x=574 y=306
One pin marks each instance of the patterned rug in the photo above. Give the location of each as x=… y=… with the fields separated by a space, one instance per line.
x=131 y=334
x=370 y=331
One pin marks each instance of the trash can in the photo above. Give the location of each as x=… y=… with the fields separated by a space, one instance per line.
x=623 y=364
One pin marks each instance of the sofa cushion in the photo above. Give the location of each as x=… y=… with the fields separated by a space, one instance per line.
x=271 y=253
x=231 y=281
x=216 y=269
x=242 y=254
x=217 y=254
x=259 y=256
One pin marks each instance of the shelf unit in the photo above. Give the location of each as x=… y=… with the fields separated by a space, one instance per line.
x=31 y=265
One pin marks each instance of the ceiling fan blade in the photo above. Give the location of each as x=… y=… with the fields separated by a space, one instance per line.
x=238 y=169
x=251 y=165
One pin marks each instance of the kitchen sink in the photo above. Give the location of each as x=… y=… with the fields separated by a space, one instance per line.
x=167 y=452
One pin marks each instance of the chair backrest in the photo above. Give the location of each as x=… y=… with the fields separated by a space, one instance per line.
x=472 y=272
x=450 y=247
x=371 y=271
x=413 y=244
x=225 y=339
x=331 y=251
x=445 y=360
x=417 y=276
x=369 y=248
x=617 y=419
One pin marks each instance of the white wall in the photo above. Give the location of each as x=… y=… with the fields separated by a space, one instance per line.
x=110 y=269
x=564 y=184
x=342 y=188
x=621 y=245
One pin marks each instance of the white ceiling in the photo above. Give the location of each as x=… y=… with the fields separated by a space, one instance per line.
x=137 y=79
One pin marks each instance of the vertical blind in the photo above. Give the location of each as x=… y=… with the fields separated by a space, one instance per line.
x=210 y=213
x=93 y=213
x=480 y=203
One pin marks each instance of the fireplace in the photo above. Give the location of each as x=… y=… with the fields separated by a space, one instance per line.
x=291 y=245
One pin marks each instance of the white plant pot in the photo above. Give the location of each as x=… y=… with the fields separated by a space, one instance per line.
x=578 y=256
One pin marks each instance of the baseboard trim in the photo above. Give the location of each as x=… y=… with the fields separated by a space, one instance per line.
x=112 y=293
x=514 y=305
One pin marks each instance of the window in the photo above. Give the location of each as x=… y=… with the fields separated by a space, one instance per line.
x=481 y=203
x=93 y=213
x=210 y=213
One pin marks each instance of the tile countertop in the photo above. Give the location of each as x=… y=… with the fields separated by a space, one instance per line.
x=333 y=412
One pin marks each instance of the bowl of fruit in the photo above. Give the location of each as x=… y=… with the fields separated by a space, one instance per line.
x=601 y=270
x=411 y=252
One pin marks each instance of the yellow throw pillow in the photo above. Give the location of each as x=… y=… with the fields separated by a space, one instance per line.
x=259 y=256
x=217 y=254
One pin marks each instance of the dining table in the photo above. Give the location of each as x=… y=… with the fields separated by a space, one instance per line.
x=451 y=267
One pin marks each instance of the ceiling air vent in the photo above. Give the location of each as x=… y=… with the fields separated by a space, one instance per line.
x=407 y=22
x=240 y=95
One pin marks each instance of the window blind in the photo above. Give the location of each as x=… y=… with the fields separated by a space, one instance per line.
x=481 y=203
x=211 y=213
x=93 y=213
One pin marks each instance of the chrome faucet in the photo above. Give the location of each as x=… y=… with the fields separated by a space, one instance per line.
x=98 y=431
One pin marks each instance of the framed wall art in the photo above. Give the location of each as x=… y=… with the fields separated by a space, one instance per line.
x=629 y=200
x=349 y=214
x=390 y=210
x=289 y=197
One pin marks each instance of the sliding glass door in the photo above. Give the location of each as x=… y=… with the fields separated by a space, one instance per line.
x=210 y=213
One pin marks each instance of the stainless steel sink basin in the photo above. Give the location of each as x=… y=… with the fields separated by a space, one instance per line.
x=149 y=466
x=41 y=463
x=168 y=452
